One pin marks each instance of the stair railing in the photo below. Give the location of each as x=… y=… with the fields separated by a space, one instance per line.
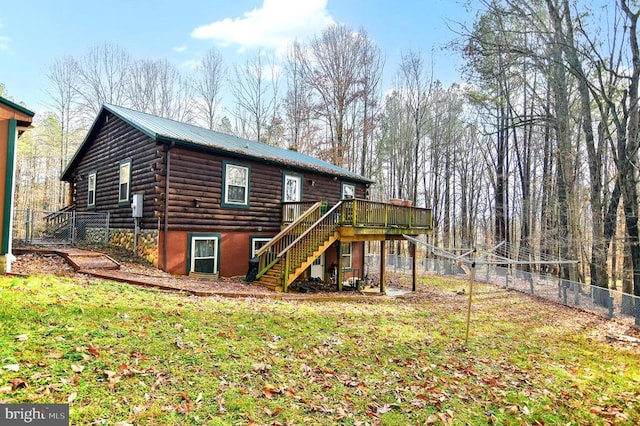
x=267 y=255
x=296 y=253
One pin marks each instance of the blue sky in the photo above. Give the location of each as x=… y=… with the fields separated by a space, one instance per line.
x=34 y=32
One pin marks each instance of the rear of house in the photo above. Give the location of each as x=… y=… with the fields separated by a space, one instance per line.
x=204 y=202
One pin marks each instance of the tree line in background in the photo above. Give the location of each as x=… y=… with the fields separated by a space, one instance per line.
x=538 y=148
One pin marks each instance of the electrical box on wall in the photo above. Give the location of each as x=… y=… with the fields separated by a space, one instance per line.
x=136 y=205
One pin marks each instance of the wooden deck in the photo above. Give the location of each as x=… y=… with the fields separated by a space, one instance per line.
x=309 y=229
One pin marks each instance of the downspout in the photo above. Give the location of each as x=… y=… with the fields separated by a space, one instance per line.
x=166 y=205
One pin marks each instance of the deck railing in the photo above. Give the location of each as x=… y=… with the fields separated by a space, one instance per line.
x=373 y=214
x=293 y=210
x=268 y=254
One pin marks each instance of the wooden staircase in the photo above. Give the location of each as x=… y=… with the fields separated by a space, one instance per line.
x=297 y=246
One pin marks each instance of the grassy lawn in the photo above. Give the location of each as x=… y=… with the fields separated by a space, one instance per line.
x=121 y=355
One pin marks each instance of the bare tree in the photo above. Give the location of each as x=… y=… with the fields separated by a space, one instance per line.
x=62 y=74
x=417 y=84
x=141 y=85
x=334 y=71
x=371 y=75
x=207 y=83
x=297 y=105
x=102 y=78
x=157 y=87
x=253 y=89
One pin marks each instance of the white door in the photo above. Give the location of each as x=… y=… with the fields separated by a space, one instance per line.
x=292 y=194
x=317 y=268
x=292 y=188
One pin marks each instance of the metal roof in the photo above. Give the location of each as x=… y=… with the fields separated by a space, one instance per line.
x=15 y=106
x=159 y=128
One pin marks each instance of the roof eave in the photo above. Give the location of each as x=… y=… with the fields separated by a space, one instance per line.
x=17 y=107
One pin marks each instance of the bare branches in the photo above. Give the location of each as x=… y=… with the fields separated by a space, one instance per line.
x=207 y=83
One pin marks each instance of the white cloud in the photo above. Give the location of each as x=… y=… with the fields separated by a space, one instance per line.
x=179 y=49
x=191 y=64
x=273 y=26
x=4 y=41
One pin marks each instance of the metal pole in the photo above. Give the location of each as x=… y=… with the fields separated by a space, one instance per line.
x=72 y=225
x=471 y=281
x=26 y=227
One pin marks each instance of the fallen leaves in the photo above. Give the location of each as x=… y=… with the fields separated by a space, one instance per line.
x=76 y=368
x=284 y=362
x=17 y=383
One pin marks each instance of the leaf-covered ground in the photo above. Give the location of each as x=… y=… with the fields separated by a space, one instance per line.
x=121 y=355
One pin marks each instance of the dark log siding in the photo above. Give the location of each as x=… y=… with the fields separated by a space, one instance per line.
x=195 y=184
x=115 y=142
x=195 y=191
x=196 y=194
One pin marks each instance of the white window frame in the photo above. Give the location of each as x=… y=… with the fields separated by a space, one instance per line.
x=228 y=167
x=215 y=257
x=124 y=179
x=347 y=256
x=298 y=180
x=255 y=240
x=344 y=191
x=91 y=189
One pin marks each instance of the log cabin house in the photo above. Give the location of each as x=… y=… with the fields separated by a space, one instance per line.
x=201 y=202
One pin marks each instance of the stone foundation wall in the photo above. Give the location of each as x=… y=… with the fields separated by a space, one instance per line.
x=147 y=242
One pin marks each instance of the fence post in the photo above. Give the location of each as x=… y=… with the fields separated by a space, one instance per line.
x=26 y=226
x=32 y=224
x=106 y=235
x=530 y=279
x=610 y=307
x=72 y=230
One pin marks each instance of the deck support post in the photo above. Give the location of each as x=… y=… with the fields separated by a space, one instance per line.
x=414 y=267
x=383 y=262
x=339 y=268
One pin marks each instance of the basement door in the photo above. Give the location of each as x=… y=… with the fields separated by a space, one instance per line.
x=317 y=268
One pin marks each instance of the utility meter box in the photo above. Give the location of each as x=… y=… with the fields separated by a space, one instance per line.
x=136 y=205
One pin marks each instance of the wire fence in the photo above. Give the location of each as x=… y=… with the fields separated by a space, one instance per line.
x=608 y=303
x=41 y=227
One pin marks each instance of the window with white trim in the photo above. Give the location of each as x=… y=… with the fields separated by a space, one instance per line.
x=124 y=182
x=204 y=254
x=292 y=192
x=348 y=191
x=91 y=189
x=236 y=185
x=257 y=243
x=347 y=257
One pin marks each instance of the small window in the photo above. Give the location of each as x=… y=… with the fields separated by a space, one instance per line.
x=91 y=189
x=347 y=257
x=236 y=185
x=257 y=243
x=204 y=254
x=292 y=188
x=125 y=181
x=348 y=191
